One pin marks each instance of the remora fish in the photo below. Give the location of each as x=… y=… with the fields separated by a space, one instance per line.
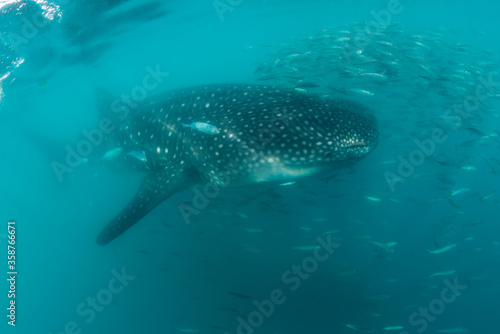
x=442 y=249
x=203 y=127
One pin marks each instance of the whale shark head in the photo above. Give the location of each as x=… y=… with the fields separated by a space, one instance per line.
x=263 y=134
x=340 y=130
x=354 y=131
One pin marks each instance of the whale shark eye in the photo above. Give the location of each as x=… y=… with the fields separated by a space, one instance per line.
x=328 y=155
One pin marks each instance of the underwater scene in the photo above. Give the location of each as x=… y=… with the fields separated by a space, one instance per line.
x=250 y=166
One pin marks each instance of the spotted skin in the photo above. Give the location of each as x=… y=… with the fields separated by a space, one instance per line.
x=265 y=134
x=155 y=188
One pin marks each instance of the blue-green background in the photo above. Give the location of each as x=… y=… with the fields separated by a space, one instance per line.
x=183 y=272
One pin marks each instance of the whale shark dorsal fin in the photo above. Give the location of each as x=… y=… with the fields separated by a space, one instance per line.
x=154 y=189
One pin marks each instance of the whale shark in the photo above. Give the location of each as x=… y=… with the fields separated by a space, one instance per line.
x=239 y=135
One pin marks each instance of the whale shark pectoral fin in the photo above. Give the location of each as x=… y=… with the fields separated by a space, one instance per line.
x=156 y=187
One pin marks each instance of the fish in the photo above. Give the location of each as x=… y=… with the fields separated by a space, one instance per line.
x=301 y=90
x=488 y=162
x=487 y=197
x=239 y=295
x=203 y=127
x=254 y=230
x=392 y=328
x=455 y=330
x=359 y=328
x=442 y=249
x=330 y=232
x=112 y=154
x=476 y=222
x=476 y=131
x=287 y=184
x=376 y=76
x=393 y=280
x=443 y=273
x=306 y=134
x=459 y=191
x=373 y=199
x=139 y=155
x=242 y=215
x=470 y=143
x=387 y=246
x=452 y=202
x=361 y=91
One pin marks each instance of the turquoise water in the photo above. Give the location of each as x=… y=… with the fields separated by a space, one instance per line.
x=412 y=227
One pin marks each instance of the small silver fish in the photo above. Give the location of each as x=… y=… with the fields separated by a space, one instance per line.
x=112 y=154
x=442 y=249
x=373 y=199
x=239 y=295
x=301 y=90
x=377 y=76
x=287 y=184
x=468 y=168
x=443 y=273
x=361 y=91
x=460 y=191
x=392 y=328
x=387 y=246
x=139 y=155
x=454 y=330
x=254 y=230
x=203 y=127
x=359 y=328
